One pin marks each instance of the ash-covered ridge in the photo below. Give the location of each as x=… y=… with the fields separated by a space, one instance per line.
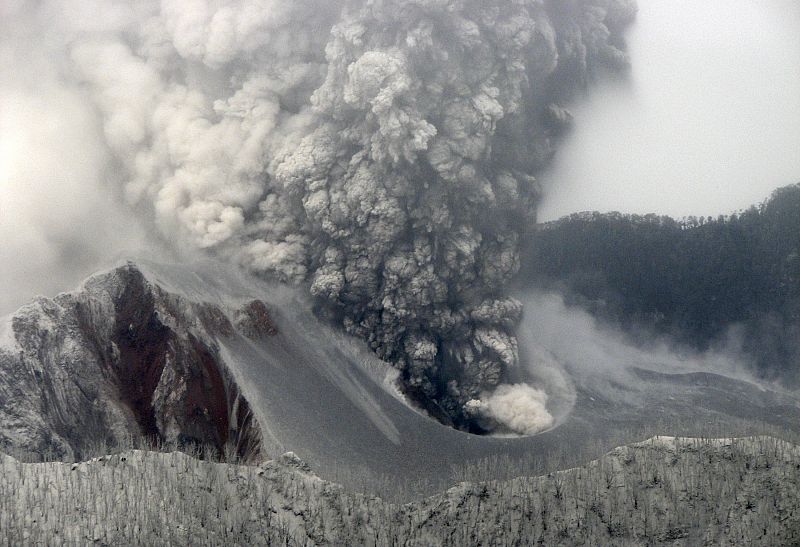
x=124 y=362
x=664 y=491
x=383 y=153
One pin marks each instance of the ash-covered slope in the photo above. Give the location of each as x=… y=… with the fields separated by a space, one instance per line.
x=185 y=351
x=664 y=491
x=121 y=361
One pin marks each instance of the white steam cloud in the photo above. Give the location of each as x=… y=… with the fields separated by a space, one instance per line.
x=518 y=408
x=381 y=152
x=570 y=350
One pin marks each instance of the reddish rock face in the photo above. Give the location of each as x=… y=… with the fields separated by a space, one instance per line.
x=214 y=319
x=143 y=348
x=126 y=358
x=253 y=320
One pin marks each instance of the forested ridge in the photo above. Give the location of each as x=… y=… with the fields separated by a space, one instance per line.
x=703 y=281
x=663 y=491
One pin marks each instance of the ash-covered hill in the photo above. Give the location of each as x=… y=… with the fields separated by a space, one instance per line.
x=664 y=491
x=123 y=360
x=730 y=280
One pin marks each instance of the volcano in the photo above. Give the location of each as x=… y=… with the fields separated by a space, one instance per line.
x=204 y=356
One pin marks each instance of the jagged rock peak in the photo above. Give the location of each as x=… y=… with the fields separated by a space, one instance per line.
x=123 y=359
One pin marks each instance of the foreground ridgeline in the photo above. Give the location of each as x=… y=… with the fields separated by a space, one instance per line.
x=661 y=491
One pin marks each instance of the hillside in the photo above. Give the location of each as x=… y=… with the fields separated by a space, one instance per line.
x=123 y=360
x=704 y=281
x=664 y=491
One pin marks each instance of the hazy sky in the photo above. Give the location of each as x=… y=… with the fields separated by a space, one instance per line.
x=708 y=124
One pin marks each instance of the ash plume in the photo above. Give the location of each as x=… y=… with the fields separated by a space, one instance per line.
x=381 y=152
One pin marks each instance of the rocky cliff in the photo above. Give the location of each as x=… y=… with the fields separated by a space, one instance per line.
x=124 y=361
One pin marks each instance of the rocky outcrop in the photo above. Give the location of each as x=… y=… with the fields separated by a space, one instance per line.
x=124 y=361
x=664 y=491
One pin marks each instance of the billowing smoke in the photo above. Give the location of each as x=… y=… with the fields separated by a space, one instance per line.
x=382 y=152
x=517 y=408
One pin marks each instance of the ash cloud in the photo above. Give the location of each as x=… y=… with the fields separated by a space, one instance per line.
x=383 y=153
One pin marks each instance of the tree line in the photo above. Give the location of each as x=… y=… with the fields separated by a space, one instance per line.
x=700 y=280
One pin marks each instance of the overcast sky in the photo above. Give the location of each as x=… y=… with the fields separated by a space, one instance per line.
x=708 y=124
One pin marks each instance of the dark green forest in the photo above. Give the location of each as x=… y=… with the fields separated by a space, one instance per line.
x=702 y=281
